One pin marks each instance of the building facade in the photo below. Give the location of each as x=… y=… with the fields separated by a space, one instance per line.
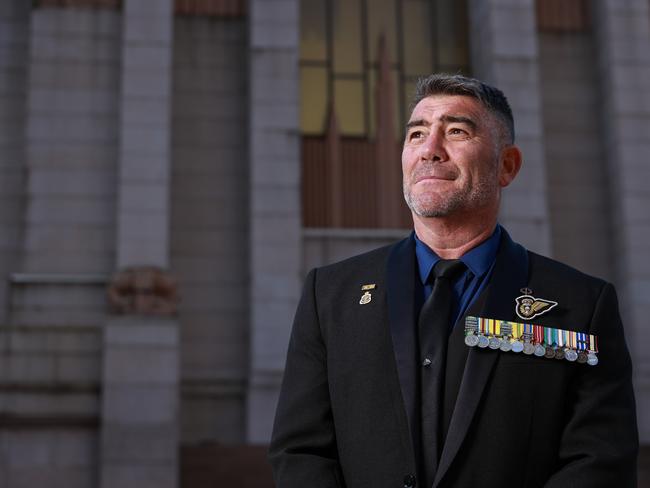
x=170 y=170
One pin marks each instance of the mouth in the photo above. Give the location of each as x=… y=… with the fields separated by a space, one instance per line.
x=431 y=179
x=438 y=174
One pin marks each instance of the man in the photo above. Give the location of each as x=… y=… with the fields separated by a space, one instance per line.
x=382 y=386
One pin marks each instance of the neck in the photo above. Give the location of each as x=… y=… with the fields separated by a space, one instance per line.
x=451 y=239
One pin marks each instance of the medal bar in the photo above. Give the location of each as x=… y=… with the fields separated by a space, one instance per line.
x=531 y=339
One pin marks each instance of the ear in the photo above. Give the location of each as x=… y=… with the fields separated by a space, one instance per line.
x=510 y=164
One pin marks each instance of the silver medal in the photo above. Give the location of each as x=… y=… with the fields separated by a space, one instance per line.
x=483 y=341
x=570 y=355
x=495 y=343
x=517 y=346
x=471 y=340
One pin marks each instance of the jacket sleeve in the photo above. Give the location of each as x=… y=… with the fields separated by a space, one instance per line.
x=303 y=445
x=599 y=445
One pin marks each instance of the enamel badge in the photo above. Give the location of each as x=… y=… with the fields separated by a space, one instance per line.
x=367 y=296
x=527 y=306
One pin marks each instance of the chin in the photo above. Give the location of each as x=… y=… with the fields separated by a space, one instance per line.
x=430 y=209
x=424 y=203
x=432 y=213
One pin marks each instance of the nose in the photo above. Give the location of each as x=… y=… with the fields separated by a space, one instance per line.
x=433 y=148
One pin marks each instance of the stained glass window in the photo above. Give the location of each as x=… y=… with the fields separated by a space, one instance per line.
x=339 y=55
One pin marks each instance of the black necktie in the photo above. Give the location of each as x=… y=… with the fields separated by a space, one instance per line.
x=434 y=325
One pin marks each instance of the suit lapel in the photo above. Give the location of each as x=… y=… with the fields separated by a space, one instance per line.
x=509 y=275
x=401 y=312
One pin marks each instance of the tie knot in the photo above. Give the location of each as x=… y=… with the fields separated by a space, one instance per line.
x=448 y=268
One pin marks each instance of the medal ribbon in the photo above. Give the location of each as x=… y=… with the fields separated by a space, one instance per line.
x=539 y=334
x=471 y=325
x=506 y=328
x=516 y=330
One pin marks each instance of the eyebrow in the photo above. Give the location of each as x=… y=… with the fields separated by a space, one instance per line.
x=459 y=119
x=418 y=122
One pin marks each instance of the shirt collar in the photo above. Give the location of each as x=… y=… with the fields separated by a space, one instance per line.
x=478 y=259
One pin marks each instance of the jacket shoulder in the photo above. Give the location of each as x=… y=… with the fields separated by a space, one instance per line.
x=375 y=259
x=574 y=290
x=554 y=270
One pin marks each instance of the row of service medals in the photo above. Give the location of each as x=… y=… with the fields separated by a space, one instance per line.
x=531 y=339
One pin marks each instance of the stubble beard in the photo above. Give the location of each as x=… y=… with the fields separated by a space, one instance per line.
x=467 y=198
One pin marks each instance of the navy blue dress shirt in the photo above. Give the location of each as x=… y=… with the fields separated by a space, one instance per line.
x=479 y=261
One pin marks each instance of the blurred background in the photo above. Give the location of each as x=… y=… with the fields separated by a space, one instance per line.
x=171 y=169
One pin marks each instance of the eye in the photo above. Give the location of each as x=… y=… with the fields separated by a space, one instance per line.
x=456 y=131
x=415 y=134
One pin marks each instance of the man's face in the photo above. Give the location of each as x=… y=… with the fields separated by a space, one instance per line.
x=451 y=157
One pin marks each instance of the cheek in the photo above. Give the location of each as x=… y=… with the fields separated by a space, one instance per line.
x=407 y=158
x=483 y=166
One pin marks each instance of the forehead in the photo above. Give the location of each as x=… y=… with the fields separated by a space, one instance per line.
x=436 y=106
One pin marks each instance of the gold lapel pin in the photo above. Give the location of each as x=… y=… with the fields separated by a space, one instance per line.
x=367 y=296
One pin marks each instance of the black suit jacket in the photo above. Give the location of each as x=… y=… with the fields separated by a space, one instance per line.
x=346 y=416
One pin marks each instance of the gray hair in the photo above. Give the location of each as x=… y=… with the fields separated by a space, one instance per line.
x=492 y=98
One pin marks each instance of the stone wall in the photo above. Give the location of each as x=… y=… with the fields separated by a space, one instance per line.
x=505 y=52
x=72 y=133
x=60 y=161
x=274 y=192
x=14 y=48
x=140 y=347
x=622 y=31
x=578 y=193
x=209 y=224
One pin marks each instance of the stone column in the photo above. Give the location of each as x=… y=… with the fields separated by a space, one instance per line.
x=504 y=52
x=143 y=186
x=275 y=222
x=58 y=111
x=72 y=120
x=623 y=34
x=139 y=438
x=14 y=46
x=140 y=369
